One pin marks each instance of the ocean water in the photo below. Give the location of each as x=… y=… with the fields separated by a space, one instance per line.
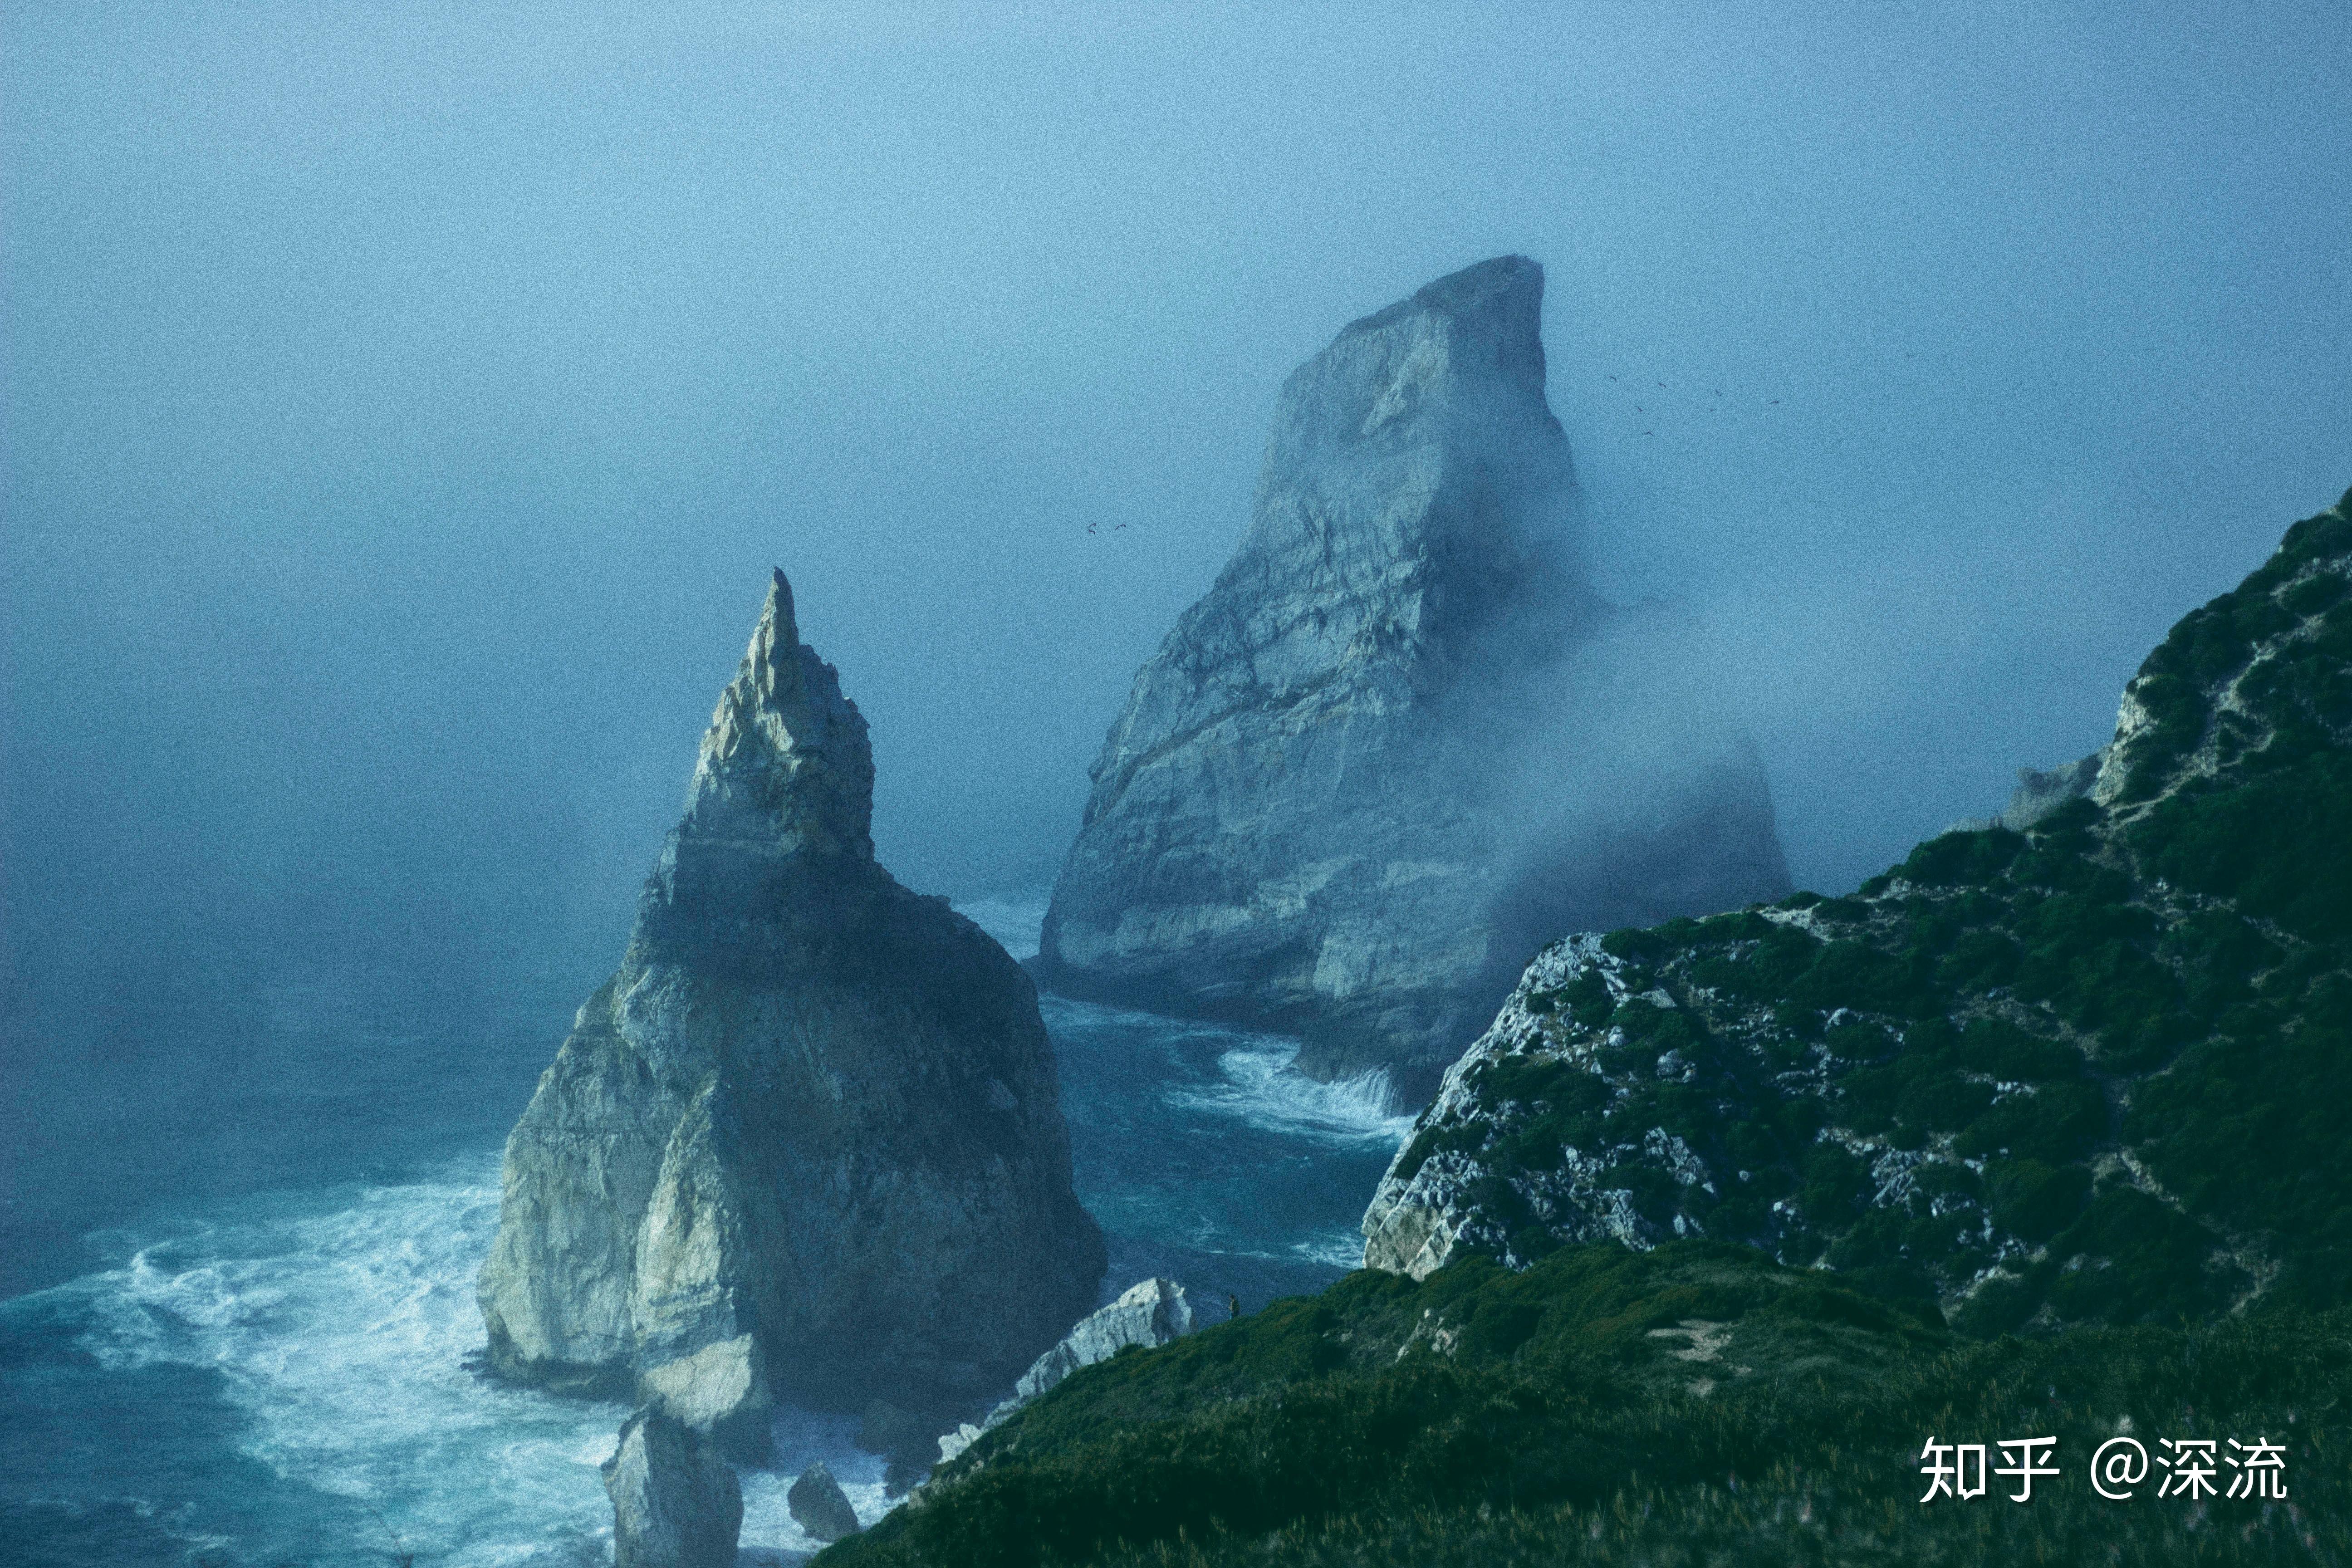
x=282 y=1375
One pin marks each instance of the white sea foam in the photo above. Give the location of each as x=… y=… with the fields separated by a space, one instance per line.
x=1260 y=1085
x=340 y=1335
x=801 y=1437
x=1257 y=1082
x=1344 y=1249
x=339 y=1323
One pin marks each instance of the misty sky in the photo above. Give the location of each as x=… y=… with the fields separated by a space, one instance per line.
x=404 y=404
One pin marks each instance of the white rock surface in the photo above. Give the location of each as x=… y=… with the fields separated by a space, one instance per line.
x=1152 y=1312
x=808 y=1139
x=1422 y=1215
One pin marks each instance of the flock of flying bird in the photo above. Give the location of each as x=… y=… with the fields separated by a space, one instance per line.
x=1662 y=386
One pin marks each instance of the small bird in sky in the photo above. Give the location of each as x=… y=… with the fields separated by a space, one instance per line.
x=1661 y=384
x=1116 y=530
x=1775 y=400
x=1639 y=409
x=1649 y=432
x=1612 y=378
x=1090 y=528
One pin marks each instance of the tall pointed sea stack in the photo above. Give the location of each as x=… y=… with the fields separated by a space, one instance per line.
x=1321 y=811
x=808 y=1139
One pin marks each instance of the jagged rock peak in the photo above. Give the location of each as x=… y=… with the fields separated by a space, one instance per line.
x=1511 y=287
x=1483 y=323
x=808 y=1139
x=784 y=743
x=1330 y=805
x=1917 y=1081
x=1150 y=1313
x=1416 y=458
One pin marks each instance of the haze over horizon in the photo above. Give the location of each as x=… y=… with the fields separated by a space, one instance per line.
x=406 y=404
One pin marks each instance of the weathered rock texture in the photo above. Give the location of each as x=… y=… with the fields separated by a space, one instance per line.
x=1311 y=815
x=2040 y=794
x=808 y=1139
x=675 y=1504
x=2076 y=1062
x=1150 y=1313
x=819 y=1506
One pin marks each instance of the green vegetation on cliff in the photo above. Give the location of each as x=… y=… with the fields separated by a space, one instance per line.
x=2089 y=1071
x=2042 y=1134
x=1694 y=1404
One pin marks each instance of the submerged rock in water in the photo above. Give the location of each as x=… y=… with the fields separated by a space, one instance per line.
x=675 y=1503
x=819 y=1506
x=1323 y=809
x=808 y=1139
x=1150 y=1313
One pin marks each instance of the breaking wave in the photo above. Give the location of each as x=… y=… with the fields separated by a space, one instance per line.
x=335 y=1325
x=1261 y=1085
x=286 y=1377
x=339 y=1335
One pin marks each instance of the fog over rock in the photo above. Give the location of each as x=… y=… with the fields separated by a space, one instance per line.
x=2055 y=1067
x=808 y=1140
x=1372 y=769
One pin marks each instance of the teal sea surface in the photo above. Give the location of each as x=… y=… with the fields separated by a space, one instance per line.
x=284 y=1374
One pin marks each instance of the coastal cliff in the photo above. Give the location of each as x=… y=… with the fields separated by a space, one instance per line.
x=2068 y=1064
x=2044 y=1126
x=1314 y=814
x=808 y=1139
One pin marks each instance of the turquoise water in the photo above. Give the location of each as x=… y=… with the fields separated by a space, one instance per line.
x=281 y=1376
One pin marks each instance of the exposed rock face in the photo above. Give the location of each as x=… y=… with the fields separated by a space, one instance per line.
x=1150 y=1313
x=1308 y=815
x=808 y=1138
x=2039 y=794
x=675 y=1504
x=2056 y=1066
x=1424 y=1214
x=819 y=1506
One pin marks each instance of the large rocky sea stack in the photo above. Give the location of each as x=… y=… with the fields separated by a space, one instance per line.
x=808 y=1139
x=1320 y=811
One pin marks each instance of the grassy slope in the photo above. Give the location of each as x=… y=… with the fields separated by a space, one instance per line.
x=1606 y=1405
x=2109 y=1053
